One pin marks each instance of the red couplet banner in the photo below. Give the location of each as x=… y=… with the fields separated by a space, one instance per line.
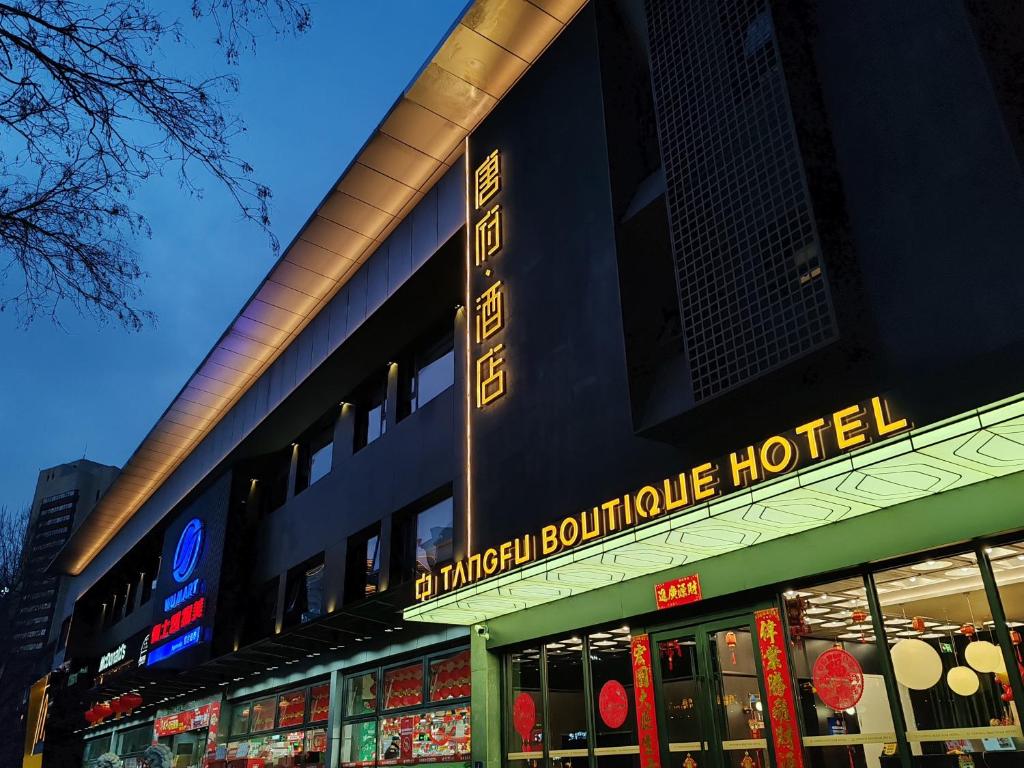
x=643 y=693
x=775 y=668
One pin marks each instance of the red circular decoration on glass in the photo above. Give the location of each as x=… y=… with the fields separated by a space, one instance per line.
x=613 y=704
x=524 y=715
x=838 y=679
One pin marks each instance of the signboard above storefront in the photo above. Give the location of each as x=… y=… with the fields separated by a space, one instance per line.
x=681 y=591
x=115 y=656
x=815 y=441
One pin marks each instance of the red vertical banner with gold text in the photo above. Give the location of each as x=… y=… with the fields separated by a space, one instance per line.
x=643 y=693
x=779 y=689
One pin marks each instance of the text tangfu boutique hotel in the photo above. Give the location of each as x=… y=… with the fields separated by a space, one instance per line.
x=648 y=392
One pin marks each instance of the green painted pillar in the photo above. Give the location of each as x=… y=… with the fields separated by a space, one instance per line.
x=486 y=700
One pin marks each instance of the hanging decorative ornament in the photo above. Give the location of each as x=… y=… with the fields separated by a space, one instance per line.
x=983 y=656
x=730 y=640
x=747 y=761
x=859 y=615
x=669 y=650
x=963 y=681
x=1007 y=693
x=524 y=715
x=1015 y=637
x=917 y=623
x=613 y=704
x=917 y=665
x=838 y=679
x=968 y=630
x=689 y=762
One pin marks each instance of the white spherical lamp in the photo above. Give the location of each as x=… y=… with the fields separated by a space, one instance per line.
x=917 y=665
x=983 y=656
x=963 y=681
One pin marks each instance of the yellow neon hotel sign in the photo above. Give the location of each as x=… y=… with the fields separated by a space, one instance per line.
x=817 y=440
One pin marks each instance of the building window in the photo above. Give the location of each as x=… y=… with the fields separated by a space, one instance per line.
x=263 y=712
x=292 y=742
x=261 y=619
x=291 y=709
x=423 y=540
x=524 y=710
x=363 y=564
x=371 y=411
x=611 y=674
x=432 y=372
x=305 y=592
x=316 y=454
x=829 y=624
x=438 y=734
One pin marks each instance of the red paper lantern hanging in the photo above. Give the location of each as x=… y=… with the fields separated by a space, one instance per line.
x=730 y=640
x=1015 y=637
x=133 y=700
x=968 y=630
x=91 y=716
x=858 y=615
x=838 y=679
x=917 y=623
x=119 y=705
x=104 y=710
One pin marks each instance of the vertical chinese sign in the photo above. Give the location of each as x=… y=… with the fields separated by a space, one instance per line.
x=488 y=308
x=775 y=668
x=643 y=693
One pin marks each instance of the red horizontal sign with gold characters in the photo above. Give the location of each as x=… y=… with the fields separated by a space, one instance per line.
x=814 y=441
x=681 y=591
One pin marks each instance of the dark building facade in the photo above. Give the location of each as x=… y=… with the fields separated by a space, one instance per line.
x=647 y=391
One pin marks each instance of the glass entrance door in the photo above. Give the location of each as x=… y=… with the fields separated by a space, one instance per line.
x=711 y=705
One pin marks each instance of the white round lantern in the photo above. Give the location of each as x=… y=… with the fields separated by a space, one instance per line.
x=917 y=665
x=983 y=656
x=963 y=681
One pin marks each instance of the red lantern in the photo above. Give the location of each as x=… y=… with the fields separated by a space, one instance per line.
x=1015 y=637
x=119 y=705
x=968 y=630
x=91 y=715
x=917 y=623
x=104 y=710
x=858 y=616
x=133 y=701
x=1007 y=693
x=730 y=640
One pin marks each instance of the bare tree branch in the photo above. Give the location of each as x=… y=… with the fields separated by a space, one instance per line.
x=86 y=116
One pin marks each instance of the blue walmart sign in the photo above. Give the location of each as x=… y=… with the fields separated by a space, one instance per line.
x=190 y=547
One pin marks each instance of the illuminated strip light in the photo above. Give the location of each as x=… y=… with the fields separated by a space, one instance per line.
x=469 y=374
x=177 y=645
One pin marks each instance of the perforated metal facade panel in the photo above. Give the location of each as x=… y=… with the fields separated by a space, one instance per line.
x=753 y=293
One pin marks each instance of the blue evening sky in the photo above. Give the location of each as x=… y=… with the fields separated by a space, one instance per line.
x=308 y=103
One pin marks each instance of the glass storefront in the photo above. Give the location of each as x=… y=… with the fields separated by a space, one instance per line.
x=280 y=731
x=420 y=713
x=915 y=663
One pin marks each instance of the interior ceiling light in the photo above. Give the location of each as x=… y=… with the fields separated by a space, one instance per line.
x=931 y=565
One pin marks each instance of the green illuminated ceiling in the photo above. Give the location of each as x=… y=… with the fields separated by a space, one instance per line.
x=979 y=445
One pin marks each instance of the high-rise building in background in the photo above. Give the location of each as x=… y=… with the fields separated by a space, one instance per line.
x=64 y=496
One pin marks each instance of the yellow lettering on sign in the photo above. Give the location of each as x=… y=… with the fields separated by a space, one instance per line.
x=812 y=431
x=487 y=178
x=490 y=376
x=744 y=467
x=568 y=531
x=681 y=499
x=548 y=539
x=777 y=454
x=490 y=312
x=850 y=427
x=648 y=501
x=884 y=423
x=488 y=239
x=705 y=478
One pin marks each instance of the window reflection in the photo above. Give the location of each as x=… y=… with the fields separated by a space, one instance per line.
x=525 y=711
x=837 y=663
x=611 y=670
x=946 y=658
x=567 y=711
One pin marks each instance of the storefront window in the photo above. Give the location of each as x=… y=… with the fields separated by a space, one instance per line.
x=316 y=746
x=263 y=715
x=409 y=737
x=359 y=744
x=292 y=709
x=134 y=741
x=611 y=671
x=450 y=677
x=319 y=701
x=946 y=658
x=403 y=686
x=94 y=748
x=240 y=714
x=525 y=708
x=837 y=663
x=361 y=695
x=567 y=710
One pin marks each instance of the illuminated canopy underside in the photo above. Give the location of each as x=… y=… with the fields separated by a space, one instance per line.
x=490 y=48
x=980 y=445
